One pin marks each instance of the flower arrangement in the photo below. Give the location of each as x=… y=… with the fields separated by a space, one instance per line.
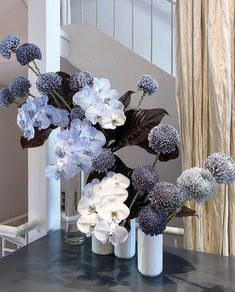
x=96 y=122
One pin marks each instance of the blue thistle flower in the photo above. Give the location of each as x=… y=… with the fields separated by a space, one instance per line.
x=197 y=183
x=6 y=98
x=77 y=113
x=148 y=84
x=89 y=78
x=27 y=53
x=77 y=81
x=166 y=197
x=9 y=45
x=152 y=222
x=222 y=167
x=144 y=178
x=163 y=138
x=19 y=87
x=48 y=82
x=104 y=161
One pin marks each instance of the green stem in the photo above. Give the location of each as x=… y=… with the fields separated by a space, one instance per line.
x=62 y=100
x=141 y=100
x=36 y=67
x=31 y=68
x=30 y=94
x=17 y=103
x=56 y=101
x=155 y=161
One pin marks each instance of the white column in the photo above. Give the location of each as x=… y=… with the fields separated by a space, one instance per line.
x=43 y=194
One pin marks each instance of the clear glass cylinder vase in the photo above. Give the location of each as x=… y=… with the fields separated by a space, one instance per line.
x=72 y=195
x=150 y=254
x=127 y=249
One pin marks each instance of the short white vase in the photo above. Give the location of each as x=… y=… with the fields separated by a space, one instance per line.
x=127 y=249
x=150 y=254
x=101 y=248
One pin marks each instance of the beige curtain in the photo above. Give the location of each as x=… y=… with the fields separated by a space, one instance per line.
x=206 y=106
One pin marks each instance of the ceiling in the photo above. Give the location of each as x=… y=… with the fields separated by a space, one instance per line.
x=13 y=20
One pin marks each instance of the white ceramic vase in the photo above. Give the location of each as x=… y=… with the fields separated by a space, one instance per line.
x=150 y=254
x=127 y=249
x=101 y=248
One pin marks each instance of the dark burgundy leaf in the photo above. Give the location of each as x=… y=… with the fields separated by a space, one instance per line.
x=38 y=140
x=186 y=212
x=169 y=156
x=137 y=126
x=126 y=98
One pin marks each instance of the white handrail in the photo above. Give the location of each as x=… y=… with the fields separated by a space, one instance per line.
x=66 y=17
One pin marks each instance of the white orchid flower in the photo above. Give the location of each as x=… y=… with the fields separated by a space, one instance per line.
x=86 y=98
x=120 y=179
x=112 y=210
x=111 y=232
x=86 y=224
x=114 y=119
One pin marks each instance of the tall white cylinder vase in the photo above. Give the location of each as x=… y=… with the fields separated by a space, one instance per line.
x=127 y=249
x=150 y=254
x=101 y=248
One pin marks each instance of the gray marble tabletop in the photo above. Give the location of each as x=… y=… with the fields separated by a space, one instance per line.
x=50 y=265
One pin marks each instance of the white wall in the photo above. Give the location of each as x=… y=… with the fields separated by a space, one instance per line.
x=13 y=168
x=142 y=25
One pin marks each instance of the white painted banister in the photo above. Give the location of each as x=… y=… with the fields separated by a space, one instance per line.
x=151 y=7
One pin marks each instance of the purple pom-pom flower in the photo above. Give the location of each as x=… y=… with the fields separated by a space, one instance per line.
x=152 y=222
x=77 y=81
x=197 y=183
x=222 y=167
x=19 y=87
x=9 y=45
x=27 y=53
x=144 y=178
x=48 y=82
x=6 y=98
x=166 y=197
x=77 y=113
x=163 y=138
x=104 y=161
x=148 y=84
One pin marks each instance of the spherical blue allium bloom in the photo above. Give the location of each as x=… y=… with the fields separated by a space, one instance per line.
x=48 y=82
x=27 y=53
x=19 y=87
x=77 y=81
x=6 y=98
x=152 y=222
x=77 y=113
x=197 y=183
x=144 y=178
x=89 y=78
x=163 y=138
x=9 y=45
x=222 y=167
x=104 y=161
x=166 y=197
x=148 y=84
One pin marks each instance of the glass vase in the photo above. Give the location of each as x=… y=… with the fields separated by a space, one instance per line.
x=72 y=234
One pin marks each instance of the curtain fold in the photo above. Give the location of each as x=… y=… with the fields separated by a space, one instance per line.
x=205 y=99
